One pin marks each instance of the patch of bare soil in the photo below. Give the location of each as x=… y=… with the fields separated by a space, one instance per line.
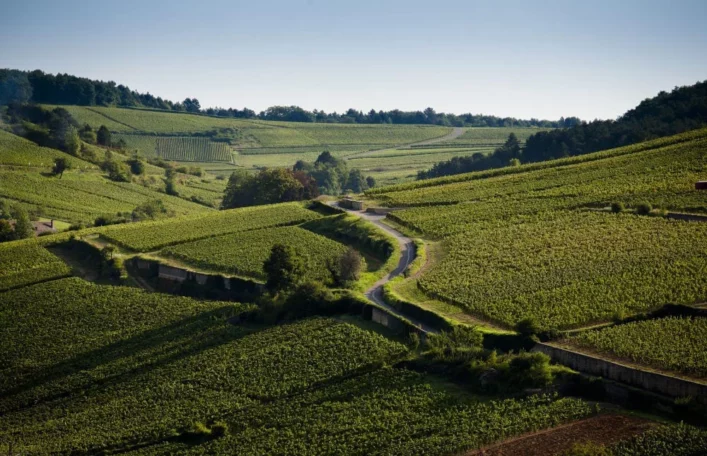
x=602 y=430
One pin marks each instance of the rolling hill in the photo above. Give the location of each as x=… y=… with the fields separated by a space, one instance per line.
x=538 y=241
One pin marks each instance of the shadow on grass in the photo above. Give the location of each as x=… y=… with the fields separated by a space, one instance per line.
x=134 y=355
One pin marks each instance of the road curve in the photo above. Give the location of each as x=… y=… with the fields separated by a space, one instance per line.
x=407 y=250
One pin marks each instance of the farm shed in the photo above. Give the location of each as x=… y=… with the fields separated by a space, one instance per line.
x=701 y=185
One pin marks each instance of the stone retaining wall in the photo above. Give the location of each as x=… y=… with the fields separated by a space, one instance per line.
x=687 y=217
x=650 y=381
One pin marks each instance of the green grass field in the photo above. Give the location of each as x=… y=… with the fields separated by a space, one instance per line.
x=244 y=253
x=258 y=144
x=113 y=369
x=24 y=263
x=81 y=197
x=144 y=237
x=485 y=136
x=677 y=344
x=524 y=242
x=19 y=152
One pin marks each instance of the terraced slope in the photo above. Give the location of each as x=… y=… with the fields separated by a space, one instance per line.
x=81 y=197
x=110 y=369
x=524 y=243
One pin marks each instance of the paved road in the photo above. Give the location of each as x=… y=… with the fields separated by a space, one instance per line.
x=407 y=250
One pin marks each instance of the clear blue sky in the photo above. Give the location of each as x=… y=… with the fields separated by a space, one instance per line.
x=546 y=59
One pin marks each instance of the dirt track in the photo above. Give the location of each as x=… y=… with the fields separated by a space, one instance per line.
x=455 y=133
x=602 y=430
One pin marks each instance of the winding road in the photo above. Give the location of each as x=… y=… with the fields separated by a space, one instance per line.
x=407 y=255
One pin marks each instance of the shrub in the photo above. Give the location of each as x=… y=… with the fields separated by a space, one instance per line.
x=617 y=207
x=528 y=327
x=219 y=429
x=587 y=449
x=644 y=208
x=530 y=370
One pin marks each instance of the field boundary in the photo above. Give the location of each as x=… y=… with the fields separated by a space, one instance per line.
x=651 y=381
x=88 y=108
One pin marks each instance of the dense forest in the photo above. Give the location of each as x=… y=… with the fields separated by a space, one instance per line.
x=685 y=108
x=39 y=87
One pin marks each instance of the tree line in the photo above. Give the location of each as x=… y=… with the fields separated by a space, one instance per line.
x=327 y=175
x=668 y=113
x=39 y=87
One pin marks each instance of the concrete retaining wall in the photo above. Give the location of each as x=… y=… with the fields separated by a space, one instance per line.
x=351 y=204
x=650 y=381
x=171 y=273
x=687 y=217
x=171 y=278
x=378 y=210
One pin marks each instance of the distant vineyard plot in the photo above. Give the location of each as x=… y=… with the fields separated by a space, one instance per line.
x=192 y=149
x=386 y=152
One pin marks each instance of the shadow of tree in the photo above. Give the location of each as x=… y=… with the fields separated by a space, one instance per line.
x=127 y=357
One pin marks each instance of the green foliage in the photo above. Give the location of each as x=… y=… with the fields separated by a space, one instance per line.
x=243 y=253
x=617 y=207
x=17 y=151
x=460 y=343
x=255 y=133
x=348 y=267
x=87 y=134
x=130 y=366
x=116 y=170
x=672 y=440
x=81 y=197
x=149 y=236
x=150 y=210
x=6 y=230
x=332 y=175
x=557 y=268
x=103 y=136
x=137 y=166
x=23 y=225
x=675 y=344
x=269 y=186
x=24 y=263
x=61 y=164
x=284 y=268
x=644 y=208
x=192 y=149
x=5 y=210
x=527 y=249
x=588 y=449
x=527 y=327
x=308 y=299
x=629 y=163
x=72 y=142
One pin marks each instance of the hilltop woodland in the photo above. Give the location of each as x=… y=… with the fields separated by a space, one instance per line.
x=327 y=175
x=683 y=109
x=39 y=87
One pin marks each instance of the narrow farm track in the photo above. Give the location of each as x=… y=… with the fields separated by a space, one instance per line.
x=111 y=118
x=407 y=250
x=455 y=133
